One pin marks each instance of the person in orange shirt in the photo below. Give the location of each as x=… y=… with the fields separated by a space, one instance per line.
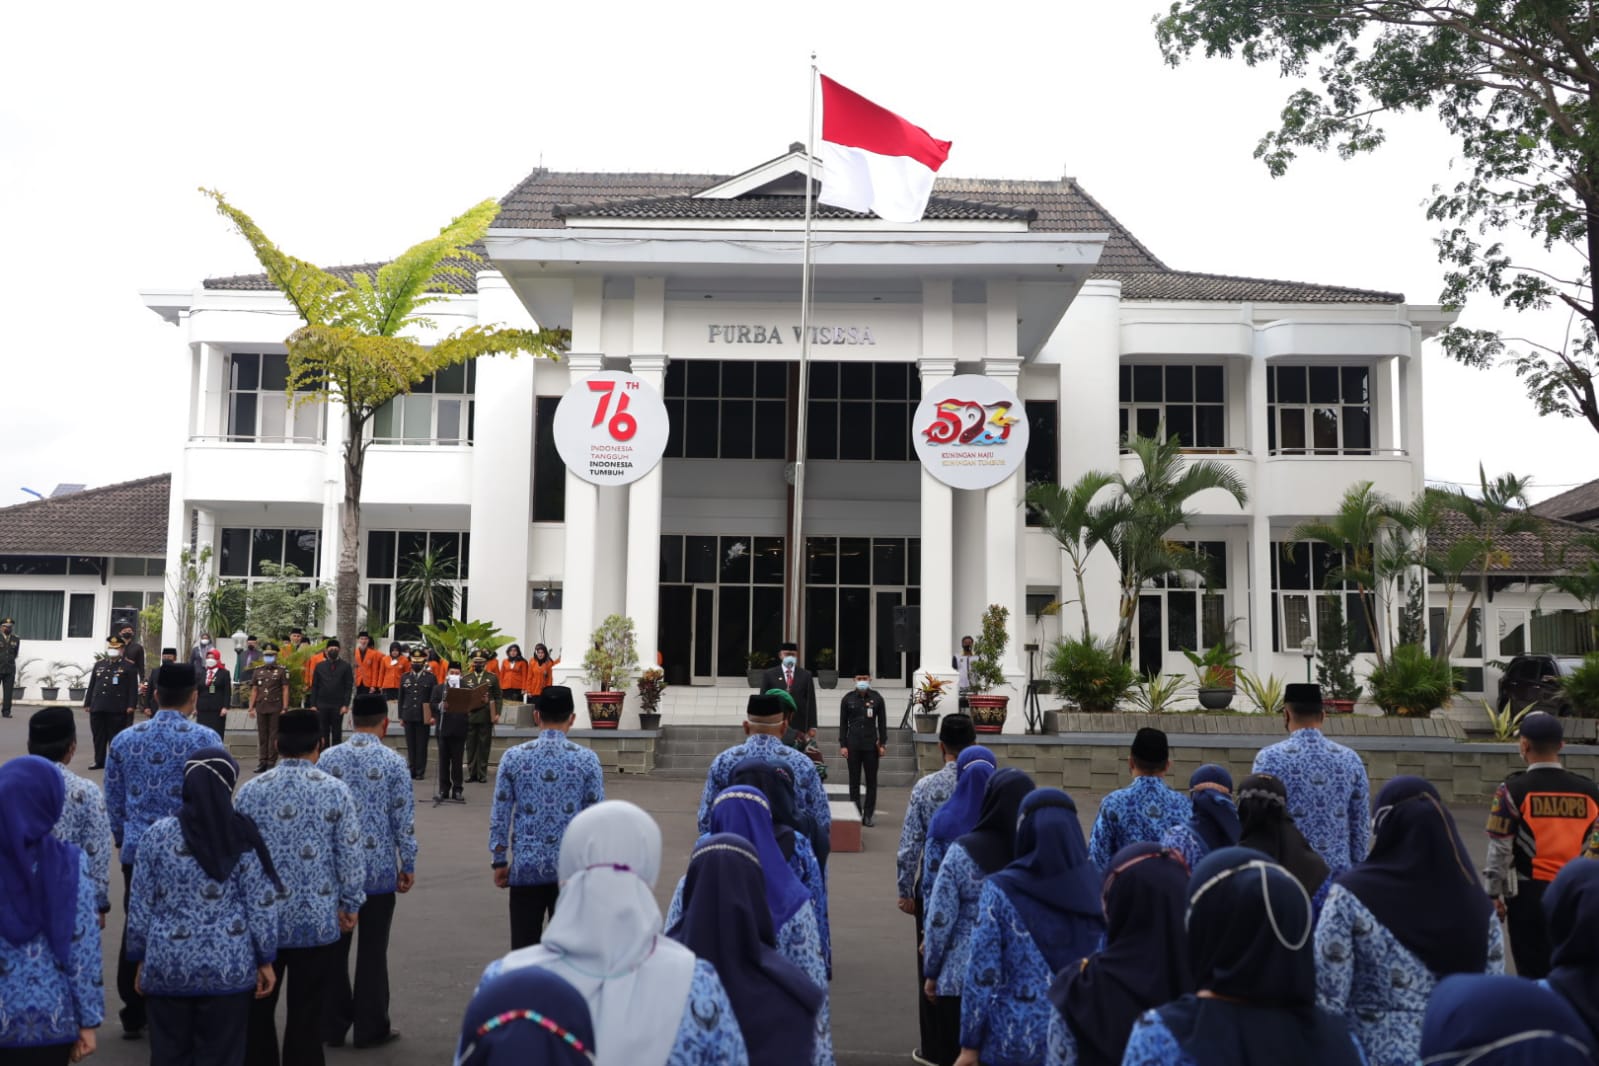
x=440 y=668
x=513 y=674
x=367 y=665
x=396 y=666
x=540 y=671
x=310 y=668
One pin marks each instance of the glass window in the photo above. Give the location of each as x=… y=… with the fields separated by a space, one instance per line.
x=257 y=406
x=380 y=553
x=769 y=558
x=437 y=410
x=738 y=429
x=771 y=429
x=80 y=615
x=1188 y=400
x=735 y=558
x=37 y=614
x=821 y=560
x=861 y=411
x=549 y=473
x=1512 y=633
x=671 y=559
x=300 y=549
x=266 y=547
x=821 y=439
x=888 y=561
x=1042 y=465
x=1319 y=410
x=235 y=560
x=771 y=380
x=855 y=430
x=699 y=560
x=854 y=561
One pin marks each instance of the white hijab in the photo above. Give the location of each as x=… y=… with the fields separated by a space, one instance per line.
x=606 y=936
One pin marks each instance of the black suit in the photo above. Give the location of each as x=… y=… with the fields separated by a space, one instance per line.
x=803 y=690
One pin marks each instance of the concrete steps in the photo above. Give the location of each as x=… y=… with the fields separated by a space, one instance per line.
x=686 y=751
x=723 y=704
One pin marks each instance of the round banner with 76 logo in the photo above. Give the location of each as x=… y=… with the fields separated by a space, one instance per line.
x=611 y=428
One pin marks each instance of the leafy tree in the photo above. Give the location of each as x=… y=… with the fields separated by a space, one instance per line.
x=1335 y=663
x=1515 y=83
x=283 y=601
x=356 y=349
x=427 y=590
x=1360 y=524
x=1494 y=516
x=1581 y=579
x=1075 y=522
x=455 y=640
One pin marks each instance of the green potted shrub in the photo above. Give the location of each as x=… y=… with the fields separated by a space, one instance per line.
x=608 y=666
x=73 y=675
x=1158 y=693
x=1217 y=672
x=826 y=668
x=651 y=683
x=1412 y=683
x=986 y=673
x=1580 y=687
x=1090 y=675
x=757 y=663
x=50 y=682
x=1265 y=695
x=1335 y=665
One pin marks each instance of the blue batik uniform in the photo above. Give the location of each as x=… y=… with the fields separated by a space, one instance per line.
x=1005 y=1004
x=1328 y=794
x=808 y=791
x=1184 y=841
x=313 y=833
x=195 y=936
x=379 y=779
x=144 y=774
x=951 y=920
x=1365 y=976
x=1138 y=814
x=85 y=825
x=1152 y=1044
x=43 y=1003
x=809 y=871
x=542 y=785
x=927 y=796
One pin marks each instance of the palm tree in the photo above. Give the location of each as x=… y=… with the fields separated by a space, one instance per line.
x=1496 y=515
x=427 y=591
x=1076 y=524
x=1581 y=581
x=1356 y=531
x=1150 y=505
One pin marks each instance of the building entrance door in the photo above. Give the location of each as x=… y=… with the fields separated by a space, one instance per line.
x=702 y=640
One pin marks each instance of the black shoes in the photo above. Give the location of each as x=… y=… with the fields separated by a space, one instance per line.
x=261 y=768
x=458 y=796
x=97 y=766
x=867 y=821
x=388 y=1038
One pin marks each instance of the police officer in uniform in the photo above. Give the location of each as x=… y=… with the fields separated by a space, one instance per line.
x=480 y=724
x=862 y=739
x=416 y=711
x=269 y=696
x=452 y=732
x=10 y=646
x=113 y=694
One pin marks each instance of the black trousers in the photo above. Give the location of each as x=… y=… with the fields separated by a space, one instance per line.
x=306 y=972
x=943 y=1046
x=452 y=753
x=1529 y=935
x=8 y=682
x=217 y=720
x=365 y=1004
x=48 y=1055
x=416 y=747
x=867 y=761
x=198 y=1030
x=132 y=1014
x=103 y=727
x=531 y=907
x=926 y=1013
x=332 y=726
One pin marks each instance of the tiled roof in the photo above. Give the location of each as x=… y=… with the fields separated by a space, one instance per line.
x=446 y=284
x=940 y=208
x=1580 y=504
x=129 y=518
x=1551 y=550
x=1192 y=285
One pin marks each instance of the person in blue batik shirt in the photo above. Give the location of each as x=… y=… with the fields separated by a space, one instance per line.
x=313 y=832
x=1249 y=946
x=144 y=784
x=1214 y=823
x=541 y=786
x=652 y=1002
x=1412 y=913
x=51 y=998
x=725 y=921
x=203 y=924
x=1144 y=963
x=765 y=722
x=1327 y=788
x=1482 y=1020
x=746 y=813
x=53 y=735
x=1034 y=917
x=379 y=779
x=1143 y=811
x=795 y=835
x=526 y=1017
x=956 y=816
x=951 y=916
x=1571 y=908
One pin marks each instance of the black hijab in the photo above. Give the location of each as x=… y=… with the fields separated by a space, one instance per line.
x=992 y=841
x=1249 y=936
x=1269 y=829
x=1215 y=819
x=217 y=835
x=1571 y=909
x=776 y=783
x=1144 y=963
x=1052 y=883
x=1419 y=883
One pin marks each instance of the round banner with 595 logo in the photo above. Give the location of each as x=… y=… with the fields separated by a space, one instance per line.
x=611 y=428
x=970 y=432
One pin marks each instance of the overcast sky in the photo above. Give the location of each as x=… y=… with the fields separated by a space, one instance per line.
x=350 y=130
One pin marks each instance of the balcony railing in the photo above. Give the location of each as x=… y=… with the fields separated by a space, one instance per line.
x=1354 y=453
x=231 y=438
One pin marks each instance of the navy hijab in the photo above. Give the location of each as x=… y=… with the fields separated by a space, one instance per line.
x=526 y=1016
x=1215 y=818
x=38 y=873
x=1269 y=829
x=1571 y=910
x=776 y=783
x=745 y=812
x=725 y=922
x=992 y=841
x=1480 y=1020
x=216 y=834
x=1418 y=880
x=1144 y=963
x=1052 y=883
x=973 y=767
x=1249 y=940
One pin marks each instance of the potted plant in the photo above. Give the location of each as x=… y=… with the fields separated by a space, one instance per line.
x=1335 y=667
x=1089 y=674
x=926 y=699
x=50 y=682
x=757 y=662
x=1217 y=671
x=1265 y=695
x=1158 y=693
x=986 y=674
x=1412 y=683
x=826 y=669
x=73 y=675
x=23 y=666
x=651 y=683
x=610 y=663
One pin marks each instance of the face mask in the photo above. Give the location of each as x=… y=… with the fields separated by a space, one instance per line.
x=270 y=659
x=113 y=653
x=333 y=653
x=127 y=638
x=863 y=685
x=789 y=661
x=205 y=642
x=454 y=681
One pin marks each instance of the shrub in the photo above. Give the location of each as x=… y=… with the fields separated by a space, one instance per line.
x=1581 y=686
x=1335 y=668
x=1090 y=674
x=1412 y=682
x=1158 y=693
x=612 y=658
x=985 y=672
x=1265 y=696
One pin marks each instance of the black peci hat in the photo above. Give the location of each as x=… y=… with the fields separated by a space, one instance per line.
x=556 y=699
x=175 y=676
x=299 y=724
x=1150 y=746
x=51 y=724
x=765 y=709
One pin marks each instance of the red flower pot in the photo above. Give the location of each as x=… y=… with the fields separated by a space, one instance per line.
x=988 y=712
x=605 y=708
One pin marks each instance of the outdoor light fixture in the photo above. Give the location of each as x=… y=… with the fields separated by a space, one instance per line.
x=1307 y=648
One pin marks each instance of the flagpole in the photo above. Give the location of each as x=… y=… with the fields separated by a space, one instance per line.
x=797 y=539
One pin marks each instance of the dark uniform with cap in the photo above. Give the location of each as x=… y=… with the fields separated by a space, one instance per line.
x=862 y=735
x=1540 y=820
x=269 y=696
x=416 y=711
x=480 y=722
x=112 y=695
x=451 y=701
x=10 y=648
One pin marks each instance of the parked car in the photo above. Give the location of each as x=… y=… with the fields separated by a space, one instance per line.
x=1536 y=679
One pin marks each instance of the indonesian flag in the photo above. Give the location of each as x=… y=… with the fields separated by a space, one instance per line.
x=873 y=160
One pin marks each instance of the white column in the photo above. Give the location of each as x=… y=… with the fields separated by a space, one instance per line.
x=1004 y=519
x=1411 y=435
x=1258 y=636
x=581 y=529
x=643 y=592
x=937 y=365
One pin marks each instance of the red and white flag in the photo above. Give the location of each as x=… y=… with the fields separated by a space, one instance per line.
x=873 y=160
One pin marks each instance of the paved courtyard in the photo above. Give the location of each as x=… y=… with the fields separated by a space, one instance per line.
x=454 y=921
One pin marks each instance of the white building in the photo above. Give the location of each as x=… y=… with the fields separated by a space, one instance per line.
x=692 y=282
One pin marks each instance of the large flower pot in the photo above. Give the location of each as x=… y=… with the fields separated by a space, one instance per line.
x=649 y=720
x=827 y=678
x=76 y=693
x=1340 y=706
x=1215 y=699
x=988 y=712
x=926 y=722
x=605 y=708
x=49 y=693
x=756 y=674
